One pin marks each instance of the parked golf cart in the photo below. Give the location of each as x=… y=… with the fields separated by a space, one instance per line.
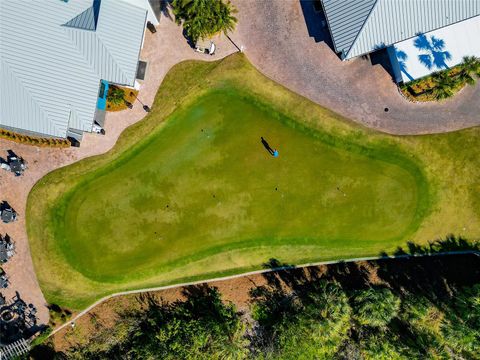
x=13 y=163
x=7 y=214
x=205 y=46
x=96 y=128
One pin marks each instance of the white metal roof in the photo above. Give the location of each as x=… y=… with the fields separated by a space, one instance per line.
x=51 y=62
x=438 y=50
x=362 y=26
x=148 y=4
x=345 y=19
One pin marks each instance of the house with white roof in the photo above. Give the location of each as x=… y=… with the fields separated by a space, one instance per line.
x=55 y=67
x=420 y=36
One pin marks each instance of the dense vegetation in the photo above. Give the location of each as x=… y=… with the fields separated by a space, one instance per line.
x=343 y=312
x=201 y=327
x=203 y=18
x=329 y=322
x=444 y=84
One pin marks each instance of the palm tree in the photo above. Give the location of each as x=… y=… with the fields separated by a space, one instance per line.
x=116 y=95
x=444 y=85
x=203 y=18
x=375 y=307
x=470 y=67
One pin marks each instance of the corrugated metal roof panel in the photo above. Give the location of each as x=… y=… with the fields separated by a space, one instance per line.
x=345 y=20
x=120 y=28
x=392 y=21
x=50 y=73
x=362 y=26
x=86 y=20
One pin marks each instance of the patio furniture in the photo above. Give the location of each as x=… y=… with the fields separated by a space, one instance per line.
x=8 y=215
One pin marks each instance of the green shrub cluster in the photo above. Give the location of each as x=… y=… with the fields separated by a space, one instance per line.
x=444 y=84
x=203 y=18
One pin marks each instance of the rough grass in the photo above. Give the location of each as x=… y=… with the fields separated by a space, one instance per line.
x=102 y=225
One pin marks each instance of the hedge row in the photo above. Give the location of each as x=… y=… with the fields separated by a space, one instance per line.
x=33 y=140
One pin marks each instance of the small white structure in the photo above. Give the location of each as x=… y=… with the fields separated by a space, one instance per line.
x=436 y=50
x=205 y=46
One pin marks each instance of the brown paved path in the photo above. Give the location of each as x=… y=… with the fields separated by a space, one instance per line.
x=162 y=50
x=276 y=40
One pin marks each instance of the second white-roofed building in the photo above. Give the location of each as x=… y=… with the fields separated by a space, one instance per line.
x=420 y=36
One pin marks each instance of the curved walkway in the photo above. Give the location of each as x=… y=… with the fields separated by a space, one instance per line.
x=277 y=41
x=264 y=271
x=162 y=51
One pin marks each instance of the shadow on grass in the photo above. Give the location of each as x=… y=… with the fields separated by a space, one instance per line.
x=451 y=244
x=436 y=270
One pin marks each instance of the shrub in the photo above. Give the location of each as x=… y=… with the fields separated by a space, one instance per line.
x=375 y=307
x=32 y=140
x=116 y=95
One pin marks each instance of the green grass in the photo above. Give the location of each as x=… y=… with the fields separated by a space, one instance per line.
x=190 y=192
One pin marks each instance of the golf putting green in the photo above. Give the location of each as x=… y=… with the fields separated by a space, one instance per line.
x=205 y=183
x=192 y=193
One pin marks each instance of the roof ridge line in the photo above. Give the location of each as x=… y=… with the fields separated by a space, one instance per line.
x=27 y=92
x=99 y=37
x=91 y=63
x=361 y=29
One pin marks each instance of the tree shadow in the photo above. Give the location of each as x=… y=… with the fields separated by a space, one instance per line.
x=285 y=282
x=402 y=58
x=381 y=56
x=434 y=55
x=164 y=8
x=436 y=270
x=189 y=40
x=451 y=244
x=412 y=270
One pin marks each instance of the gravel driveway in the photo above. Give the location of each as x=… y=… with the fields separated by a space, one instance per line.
x=276 y=39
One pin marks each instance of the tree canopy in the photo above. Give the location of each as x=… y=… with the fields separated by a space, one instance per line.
x=296 y=317
x=375 y=306
x=203 y=18
x=201 y=327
